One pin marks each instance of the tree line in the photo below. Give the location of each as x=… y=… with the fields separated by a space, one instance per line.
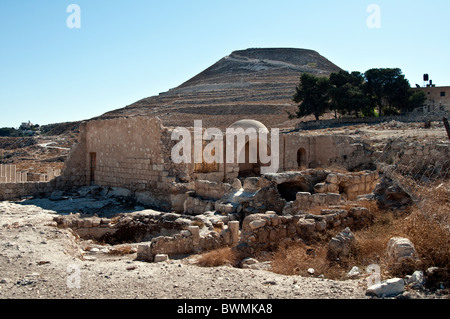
x=377 y=92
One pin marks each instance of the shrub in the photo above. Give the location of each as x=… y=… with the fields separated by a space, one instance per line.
x=218 y=257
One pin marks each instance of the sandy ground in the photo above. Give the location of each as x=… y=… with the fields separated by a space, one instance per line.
x=38 y=260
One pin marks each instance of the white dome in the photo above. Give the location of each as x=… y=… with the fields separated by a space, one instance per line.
x=245 y=124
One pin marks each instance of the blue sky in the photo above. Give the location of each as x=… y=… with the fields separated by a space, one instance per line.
x=128 y=50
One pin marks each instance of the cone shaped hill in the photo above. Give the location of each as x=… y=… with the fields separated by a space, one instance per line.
x=253 y=83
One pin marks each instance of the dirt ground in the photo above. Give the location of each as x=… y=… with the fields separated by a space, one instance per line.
x=39 y=260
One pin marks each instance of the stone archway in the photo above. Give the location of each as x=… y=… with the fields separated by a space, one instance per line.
x=250 y=152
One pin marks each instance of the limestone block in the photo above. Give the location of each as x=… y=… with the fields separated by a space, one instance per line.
x=256 y=224
x=417 y=279
x=263 y=235
x=354 y=273
x=333 y=188
x=227 y=208
x=96 y=221
x=352 y=195
x=320 y=188
x=319 y=199
x=303 y=197
x=273 y=235
x=342 y=213
x=332 y=179
x=144 y=252
x=388 y=288
x=400 y=248
x=237 y=185
x=233 y=226
x=274 y=219
x=161 y=258
x=333 y=198
x=321 y=225
x=306 y=225
x=251 y=184
x=291 y=230
x=341 y=244
x=247 y=263
x=195 y=233
x=282 y=233
x=87 y=223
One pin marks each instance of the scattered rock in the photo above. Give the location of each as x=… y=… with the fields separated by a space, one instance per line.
x=161 y=258
x=251 y=263
x=388 y=288
x=247 y=262
x=89 y=258
x=354 y=273
x=417 y=279
x=25 y=282
x=270 y=282
x=311 y=271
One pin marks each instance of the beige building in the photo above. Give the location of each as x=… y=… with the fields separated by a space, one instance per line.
x=438 y=99
x=135 y=153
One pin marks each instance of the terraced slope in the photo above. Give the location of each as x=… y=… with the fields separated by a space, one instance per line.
x=254 y=83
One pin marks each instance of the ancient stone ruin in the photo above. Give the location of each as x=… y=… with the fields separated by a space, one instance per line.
x=321 y=183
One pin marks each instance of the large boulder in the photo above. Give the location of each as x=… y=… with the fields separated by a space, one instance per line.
x=400 y=249
x=388 y=288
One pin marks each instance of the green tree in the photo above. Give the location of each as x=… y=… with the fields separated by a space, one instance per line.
x=415 y=100
x=346 y=93
x=312 y=96
x=387 y=89
x=6 y=131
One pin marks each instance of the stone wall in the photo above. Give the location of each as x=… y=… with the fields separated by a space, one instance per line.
x=264 y=231
x=302 y=151
x=15 y=191
x=408 y=118
x=127 y=153
x=186 y=242
x=351 y=184
x=416 y=153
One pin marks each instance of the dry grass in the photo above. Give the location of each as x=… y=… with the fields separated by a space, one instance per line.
x=121 y=250
x=218 y=257
x=427 y=227
x=298 y=258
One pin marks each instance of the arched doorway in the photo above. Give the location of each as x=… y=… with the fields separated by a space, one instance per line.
x=251 y=168
x=301 y=158
x=249 y=164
